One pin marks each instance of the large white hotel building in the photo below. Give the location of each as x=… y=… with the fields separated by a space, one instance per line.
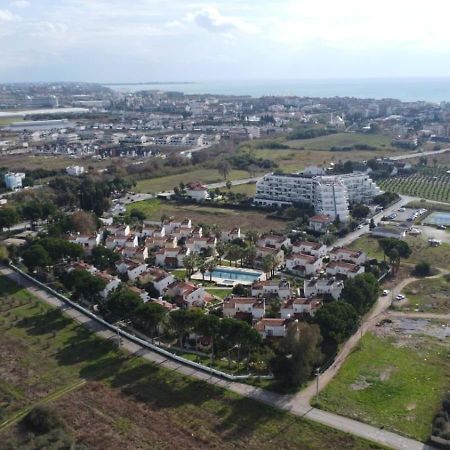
x=329 y=194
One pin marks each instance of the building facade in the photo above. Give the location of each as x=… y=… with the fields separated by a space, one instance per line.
x=329 y=194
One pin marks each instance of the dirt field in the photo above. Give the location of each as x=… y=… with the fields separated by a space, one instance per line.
x=225 y=218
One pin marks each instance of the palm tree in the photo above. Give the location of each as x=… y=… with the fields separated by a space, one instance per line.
x=252 y=236
x=211 y=265
x=221 y=249
x=250 y=255
x=202 y=266
x=189 y=262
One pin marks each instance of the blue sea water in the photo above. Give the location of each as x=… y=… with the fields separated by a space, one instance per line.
x=405 y=89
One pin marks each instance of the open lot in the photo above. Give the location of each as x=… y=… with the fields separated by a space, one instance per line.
x=421 y=250
x=225 y=218
x=167 y=183
x=120 y=401
x=428 y=295
x=395 y=379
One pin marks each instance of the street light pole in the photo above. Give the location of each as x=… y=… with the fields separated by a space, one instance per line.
x=317 y=384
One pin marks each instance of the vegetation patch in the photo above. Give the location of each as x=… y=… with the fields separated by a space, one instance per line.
x=127 y=402
x=393 y=381
x=428 y=295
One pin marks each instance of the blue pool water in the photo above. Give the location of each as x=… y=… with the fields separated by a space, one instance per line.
x=438 y=218
x=234 y=274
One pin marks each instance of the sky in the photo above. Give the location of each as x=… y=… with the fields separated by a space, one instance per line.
x=183 y=40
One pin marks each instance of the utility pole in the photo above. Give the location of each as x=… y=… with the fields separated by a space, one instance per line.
x=317 y=384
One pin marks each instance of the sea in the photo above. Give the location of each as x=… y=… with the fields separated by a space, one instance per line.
x=433 y=90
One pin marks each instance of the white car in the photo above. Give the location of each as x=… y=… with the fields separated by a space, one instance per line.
x=360 y=226
x=400 y=297
x=386 y=292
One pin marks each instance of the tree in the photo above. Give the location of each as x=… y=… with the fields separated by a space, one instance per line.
x=337 y=321
x=210 y=266
x=137 y=214
x=221 y=249
x=202 y=267
x=8 y=217
x=360 y=211
x=36 y=257
x=190 y=262
x=32 y=211
x=83 y=222
x=234 y=253
x=149 y=316
x=184 y=320
x=361 y=292
x=209 y=325
x=84 y=285
x=395 y=249
x=252 y=236
x=422 y=269
x=59 y=248
x=298 y=354
x=122 y=305
x=372 y=224
x=224 y=168
x=103 y=258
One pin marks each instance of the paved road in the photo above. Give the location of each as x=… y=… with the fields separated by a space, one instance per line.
x=418 y=154
x=285 y=402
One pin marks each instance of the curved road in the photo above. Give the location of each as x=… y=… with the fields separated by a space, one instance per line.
x=295 y=404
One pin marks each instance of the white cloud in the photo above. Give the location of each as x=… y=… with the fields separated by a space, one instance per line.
x=21 y=3
x=212 y=20
x=6 y=15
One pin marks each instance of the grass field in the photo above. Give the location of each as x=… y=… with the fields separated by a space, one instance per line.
x=111 y=400
x=423 y=186
x=395 y=382
x=222 y=293
x=248 y=189
x=421 y=251
x=343 y=140
x=428 y=295
x=223 y=217
x=167 y=183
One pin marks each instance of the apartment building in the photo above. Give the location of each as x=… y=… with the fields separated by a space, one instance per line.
x=329 y=194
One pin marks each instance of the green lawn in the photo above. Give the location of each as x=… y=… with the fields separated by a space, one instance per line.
x=219 y=292
x=369 y=245
x=127 y=402
x=429 y=295
x=168 y=182
x=343 y=140
x=389 y=385
x=248 y=189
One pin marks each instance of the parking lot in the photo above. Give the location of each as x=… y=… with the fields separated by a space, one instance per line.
x=406 y=215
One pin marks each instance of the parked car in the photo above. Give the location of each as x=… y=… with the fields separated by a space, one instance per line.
x=400 y=297
x=386 y=292
x=442 y=227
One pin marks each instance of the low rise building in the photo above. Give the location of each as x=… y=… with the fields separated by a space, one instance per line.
x=281 y=289
x=323 y=286
x=345 y=269
x=243 y=307
x=297 y=308
x=269 y=328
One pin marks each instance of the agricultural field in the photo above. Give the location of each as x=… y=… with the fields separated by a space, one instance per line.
x=396 y=379
x=109 y=399
x=428 y=295
x=167 y=183
x=423 y=186
x=225 y=218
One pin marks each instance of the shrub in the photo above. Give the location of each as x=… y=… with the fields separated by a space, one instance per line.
x=422 y=269
x=42 y=419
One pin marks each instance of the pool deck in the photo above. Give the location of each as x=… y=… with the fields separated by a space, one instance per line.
x=229 y=281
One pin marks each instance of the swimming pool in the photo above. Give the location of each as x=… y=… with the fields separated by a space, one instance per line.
x=234 y=274
x=230 y=276
x=438 y=218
